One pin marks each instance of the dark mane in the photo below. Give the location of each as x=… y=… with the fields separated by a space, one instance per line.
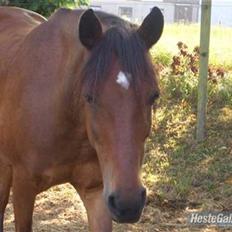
x=120 y=42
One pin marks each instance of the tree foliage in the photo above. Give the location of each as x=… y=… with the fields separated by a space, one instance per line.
x=44 y=7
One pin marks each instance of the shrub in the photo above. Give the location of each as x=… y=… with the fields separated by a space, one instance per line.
x=180 y=79
x=44 y=7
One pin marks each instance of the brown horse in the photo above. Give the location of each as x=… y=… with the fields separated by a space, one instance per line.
x=76 y=94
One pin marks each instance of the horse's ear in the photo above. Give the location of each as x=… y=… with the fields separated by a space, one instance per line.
x=90 y=29
x=152 y=27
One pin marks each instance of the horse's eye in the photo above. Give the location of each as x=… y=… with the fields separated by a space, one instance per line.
x=153 y=98
x=89 y=98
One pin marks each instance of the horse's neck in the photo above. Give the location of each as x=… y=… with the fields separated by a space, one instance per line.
x=15 y=25
x=65 y=58
x=47 y=66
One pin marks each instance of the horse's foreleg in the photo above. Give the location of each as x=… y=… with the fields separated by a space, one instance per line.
x=5 y=184
x=24 y=193
x=98 y=214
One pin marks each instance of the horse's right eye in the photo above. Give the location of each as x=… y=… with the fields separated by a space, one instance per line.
x=153 y=98
x=89 y=98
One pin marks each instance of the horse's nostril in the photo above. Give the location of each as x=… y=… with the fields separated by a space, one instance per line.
x=111 y=201
x=143 y=194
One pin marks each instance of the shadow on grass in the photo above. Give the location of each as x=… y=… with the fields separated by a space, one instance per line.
x=182 y=173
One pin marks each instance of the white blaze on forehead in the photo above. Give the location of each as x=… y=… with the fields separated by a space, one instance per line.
x=123 y=80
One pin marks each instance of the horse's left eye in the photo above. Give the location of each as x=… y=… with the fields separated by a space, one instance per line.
x=89 y=98
x=153 y=98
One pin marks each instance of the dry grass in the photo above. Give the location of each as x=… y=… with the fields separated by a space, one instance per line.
x=60 y=209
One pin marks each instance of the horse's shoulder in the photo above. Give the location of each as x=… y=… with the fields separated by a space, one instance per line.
x=15 y=25
x=8 y=14
x=17 y=22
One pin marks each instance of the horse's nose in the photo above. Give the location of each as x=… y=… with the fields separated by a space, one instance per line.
x=127 y=209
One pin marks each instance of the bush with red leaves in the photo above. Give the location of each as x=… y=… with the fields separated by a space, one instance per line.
x=186 y=61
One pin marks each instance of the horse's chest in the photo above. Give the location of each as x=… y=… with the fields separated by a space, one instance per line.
x=58 y=167
x=53 y=176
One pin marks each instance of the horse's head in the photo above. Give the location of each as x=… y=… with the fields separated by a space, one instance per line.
x=119 y=89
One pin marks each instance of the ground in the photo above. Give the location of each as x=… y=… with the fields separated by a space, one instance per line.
x=60 y=209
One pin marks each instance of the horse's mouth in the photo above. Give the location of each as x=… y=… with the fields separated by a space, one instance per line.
x=126 y=217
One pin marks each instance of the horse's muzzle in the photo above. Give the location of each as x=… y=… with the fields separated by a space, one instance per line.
x=127 y=210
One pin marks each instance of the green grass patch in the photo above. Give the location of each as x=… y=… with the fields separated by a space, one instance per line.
x=220 y=43
x=177 y=168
